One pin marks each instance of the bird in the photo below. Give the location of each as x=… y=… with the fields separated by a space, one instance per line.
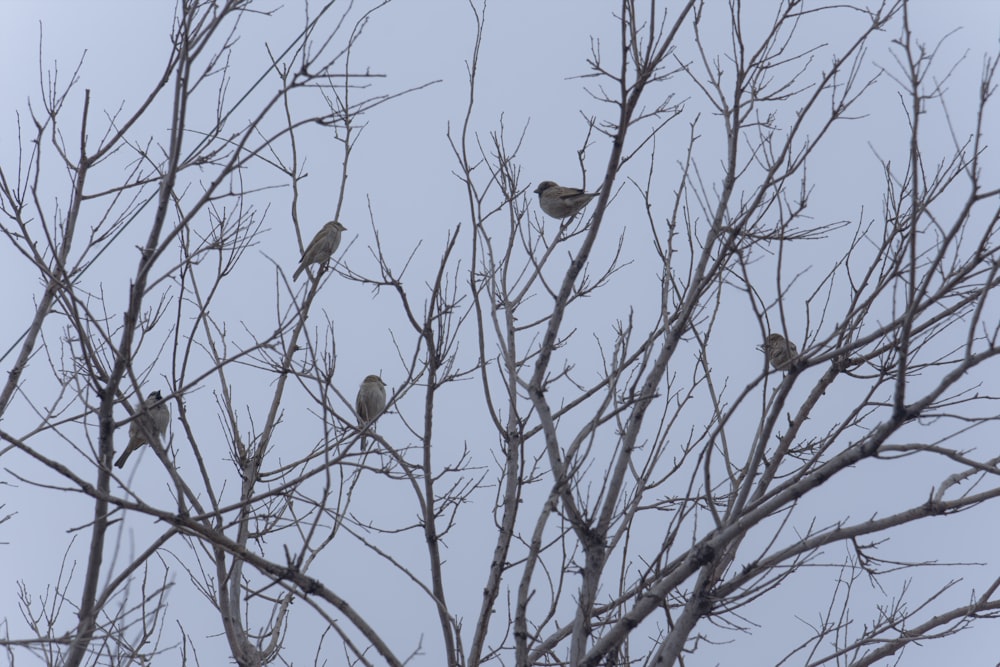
x=780 y=352
x=148 y=424
x=561 y=202
x=370 y=402
x=322 y=246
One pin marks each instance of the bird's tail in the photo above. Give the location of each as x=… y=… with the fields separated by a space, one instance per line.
x=133 y=444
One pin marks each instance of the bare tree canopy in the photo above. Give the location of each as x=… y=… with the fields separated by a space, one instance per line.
x=658 y=334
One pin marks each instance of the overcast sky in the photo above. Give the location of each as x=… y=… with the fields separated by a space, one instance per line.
x=402 y=177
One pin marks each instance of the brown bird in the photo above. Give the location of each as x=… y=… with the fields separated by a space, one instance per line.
x=322 y=246
x=370 y=402
x=780 y=352
x=148 y=424
x=560 y=202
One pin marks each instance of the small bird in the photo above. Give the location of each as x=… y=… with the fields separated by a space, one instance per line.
x=148 y=424
x=370 y=402
x=323 y=245
x=560 y=202
x=780 y=352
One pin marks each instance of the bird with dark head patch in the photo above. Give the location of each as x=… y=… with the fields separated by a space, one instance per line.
x=149 y=423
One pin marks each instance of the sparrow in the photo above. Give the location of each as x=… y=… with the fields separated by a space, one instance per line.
x=560 y=202
x=780 y=352
x=322 y=246
x=149 y=423
x=370 y=402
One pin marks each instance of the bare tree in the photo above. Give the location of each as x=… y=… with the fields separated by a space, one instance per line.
x=658 y=488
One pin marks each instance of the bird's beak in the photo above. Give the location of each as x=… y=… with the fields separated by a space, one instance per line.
x=760 y=347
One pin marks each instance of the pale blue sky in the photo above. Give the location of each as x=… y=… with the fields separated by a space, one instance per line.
x=402 y=170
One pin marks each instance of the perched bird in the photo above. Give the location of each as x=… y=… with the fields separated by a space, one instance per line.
x=323 y=245
x=560 y=202
x=780 y=352
x=149 y=423
x=370 y=402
